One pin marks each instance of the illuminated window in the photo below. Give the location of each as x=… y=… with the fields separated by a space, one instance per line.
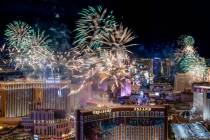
x=45 y=132
x=133 y=113
x=141 y=113
x=151 y=113
x=112 y=115
x=127 y=113
x=157 y=113
x=117 y=114
x=161 y=114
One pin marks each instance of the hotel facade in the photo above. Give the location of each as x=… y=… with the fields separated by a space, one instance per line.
x=123 y=123
x=19 y=98
x=49 y=124
x=201 y=99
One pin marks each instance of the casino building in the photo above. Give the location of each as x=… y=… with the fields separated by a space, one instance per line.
x=201 y=99
x=19 y=98
x=122 y=123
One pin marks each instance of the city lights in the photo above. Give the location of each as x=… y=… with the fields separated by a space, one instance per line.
x=95 y=70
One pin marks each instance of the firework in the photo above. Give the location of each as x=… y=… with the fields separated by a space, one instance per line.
x=186 y=57
x=33 y=55
x=109 y=66
x=186 y=40
x=187 y=48
x=119 y=37
x=93 y=23
x=188 y=60
x=27 y=47
x=18 y=34
x=198 y=70
x=4 y=55
x=38 y=52
x=110 y=61
x=100 y=54
x=39 y=39
x=115 y=67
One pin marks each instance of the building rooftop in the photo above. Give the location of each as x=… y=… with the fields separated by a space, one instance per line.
x=161 y=107
x=58 y=114
x=202 y=85
x=10 y=121
x=23 y=81
x=190 y=131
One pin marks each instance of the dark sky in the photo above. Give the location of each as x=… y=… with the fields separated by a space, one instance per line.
x=152 y=20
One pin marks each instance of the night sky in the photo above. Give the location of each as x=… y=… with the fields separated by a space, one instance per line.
x=151 y=20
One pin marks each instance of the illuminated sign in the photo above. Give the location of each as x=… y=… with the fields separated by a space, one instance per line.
x=97 y=112
x=142 y=109
x=53 y=80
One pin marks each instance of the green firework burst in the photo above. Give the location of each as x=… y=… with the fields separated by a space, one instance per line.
x=92 y=24
x=18 y=34
x=40 y=39
x=186 y=40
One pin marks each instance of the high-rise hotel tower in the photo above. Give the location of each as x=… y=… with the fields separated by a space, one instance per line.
x=19 y=98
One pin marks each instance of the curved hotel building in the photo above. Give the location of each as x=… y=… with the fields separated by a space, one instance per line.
x=122 y=123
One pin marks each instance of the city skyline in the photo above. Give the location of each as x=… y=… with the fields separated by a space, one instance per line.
x=104 y=70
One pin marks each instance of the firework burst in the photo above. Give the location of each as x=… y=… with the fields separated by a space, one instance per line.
x=112 y=66
x=186 y=40
x=39 y=39
x=38 y=51
x=93 y=23
x=4 y=55
x=188 y=60
x=198 y=70
x=28 y=47
x=119 y=37
x=18 y=34
x=186 y=51
x=101 y=49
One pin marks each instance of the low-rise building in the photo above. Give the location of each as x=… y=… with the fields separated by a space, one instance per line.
x=14 y=133
x=53 y=124
x=201 y=99
x=192 y=131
